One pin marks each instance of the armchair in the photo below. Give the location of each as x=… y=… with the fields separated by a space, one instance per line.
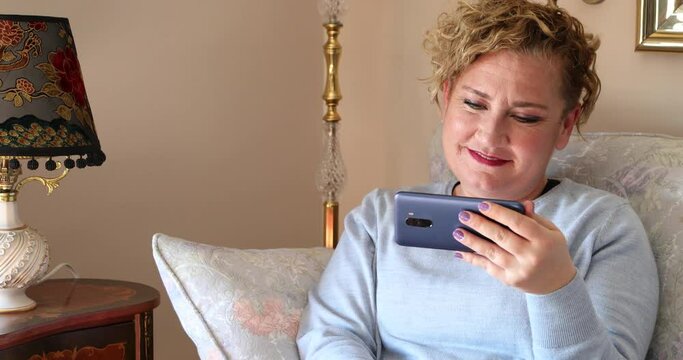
x=245 y=304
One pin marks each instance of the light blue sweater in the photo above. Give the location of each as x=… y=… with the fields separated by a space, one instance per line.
x=377 y=299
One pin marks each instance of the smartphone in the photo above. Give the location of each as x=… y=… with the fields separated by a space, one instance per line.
x=428 y=220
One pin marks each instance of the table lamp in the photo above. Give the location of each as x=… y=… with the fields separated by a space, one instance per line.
x=44 y=114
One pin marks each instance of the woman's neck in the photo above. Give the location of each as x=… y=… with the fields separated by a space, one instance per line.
x=460 y=190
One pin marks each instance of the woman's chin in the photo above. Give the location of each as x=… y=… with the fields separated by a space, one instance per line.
x=488 y=189
x=503 y=188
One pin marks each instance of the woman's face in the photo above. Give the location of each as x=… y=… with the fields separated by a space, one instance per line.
x=502 y=120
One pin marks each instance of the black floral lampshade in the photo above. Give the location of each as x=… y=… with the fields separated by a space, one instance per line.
x=44 y=110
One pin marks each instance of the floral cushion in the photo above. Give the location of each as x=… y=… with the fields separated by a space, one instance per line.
x=238 y=304
x=646 y=169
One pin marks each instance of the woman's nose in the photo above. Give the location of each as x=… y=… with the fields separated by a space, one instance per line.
x=493 y=130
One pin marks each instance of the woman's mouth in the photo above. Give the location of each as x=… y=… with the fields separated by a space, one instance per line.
x=487 y=159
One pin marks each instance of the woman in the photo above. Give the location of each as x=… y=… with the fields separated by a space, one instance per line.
x=574 y=278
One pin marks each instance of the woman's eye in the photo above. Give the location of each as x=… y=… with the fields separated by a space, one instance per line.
x=527 y=119
x=473 y=105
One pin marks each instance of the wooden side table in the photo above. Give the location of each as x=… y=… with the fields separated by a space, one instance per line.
x=82 y=319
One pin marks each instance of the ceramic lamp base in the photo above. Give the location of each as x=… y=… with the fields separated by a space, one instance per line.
x=15 y=300
x=24 y=260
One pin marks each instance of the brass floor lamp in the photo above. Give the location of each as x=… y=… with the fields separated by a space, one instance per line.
x=332 y=172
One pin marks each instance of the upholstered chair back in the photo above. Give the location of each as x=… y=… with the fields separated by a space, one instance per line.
x=648 y=171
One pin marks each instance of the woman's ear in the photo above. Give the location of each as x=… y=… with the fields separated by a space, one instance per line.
x=567 y=127
x=446 y=93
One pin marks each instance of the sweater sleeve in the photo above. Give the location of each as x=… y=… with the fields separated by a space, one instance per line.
x=339 y=321
x=610 y=311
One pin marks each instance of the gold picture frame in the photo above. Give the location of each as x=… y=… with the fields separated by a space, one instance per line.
x=660 y=25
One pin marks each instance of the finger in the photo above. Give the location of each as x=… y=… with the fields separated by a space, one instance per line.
x=527 y=227
x=487 y=249
x=529 y=208
x=497 y=233
x=481 y=262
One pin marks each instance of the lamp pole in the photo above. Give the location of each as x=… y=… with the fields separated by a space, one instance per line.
x=332 y=172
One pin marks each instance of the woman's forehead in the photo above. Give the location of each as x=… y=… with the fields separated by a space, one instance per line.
x=513 y=75
x=507 y=66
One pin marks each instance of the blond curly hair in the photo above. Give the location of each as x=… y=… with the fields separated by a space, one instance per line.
x=485 y=26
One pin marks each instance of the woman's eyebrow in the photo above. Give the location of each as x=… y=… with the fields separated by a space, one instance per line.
x=524 y=104
x=477 y=92
x=527 y=104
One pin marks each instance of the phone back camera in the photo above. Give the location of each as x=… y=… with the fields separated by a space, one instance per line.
x=424 y=223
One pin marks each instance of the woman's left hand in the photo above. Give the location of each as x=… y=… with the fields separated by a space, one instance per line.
x=531 y=255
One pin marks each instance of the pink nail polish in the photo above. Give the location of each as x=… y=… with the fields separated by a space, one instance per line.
x=458 y=234
x=484 y=206
x=458 y=255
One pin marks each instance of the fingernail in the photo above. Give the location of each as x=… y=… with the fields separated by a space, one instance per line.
x=458 y=234
x=464 y=216
x=458 y=255
x=484 y=206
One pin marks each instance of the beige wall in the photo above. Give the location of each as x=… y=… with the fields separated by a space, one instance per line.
x=209 y=113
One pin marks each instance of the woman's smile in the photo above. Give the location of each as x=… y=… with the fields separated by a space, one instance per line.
x=486 y=159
